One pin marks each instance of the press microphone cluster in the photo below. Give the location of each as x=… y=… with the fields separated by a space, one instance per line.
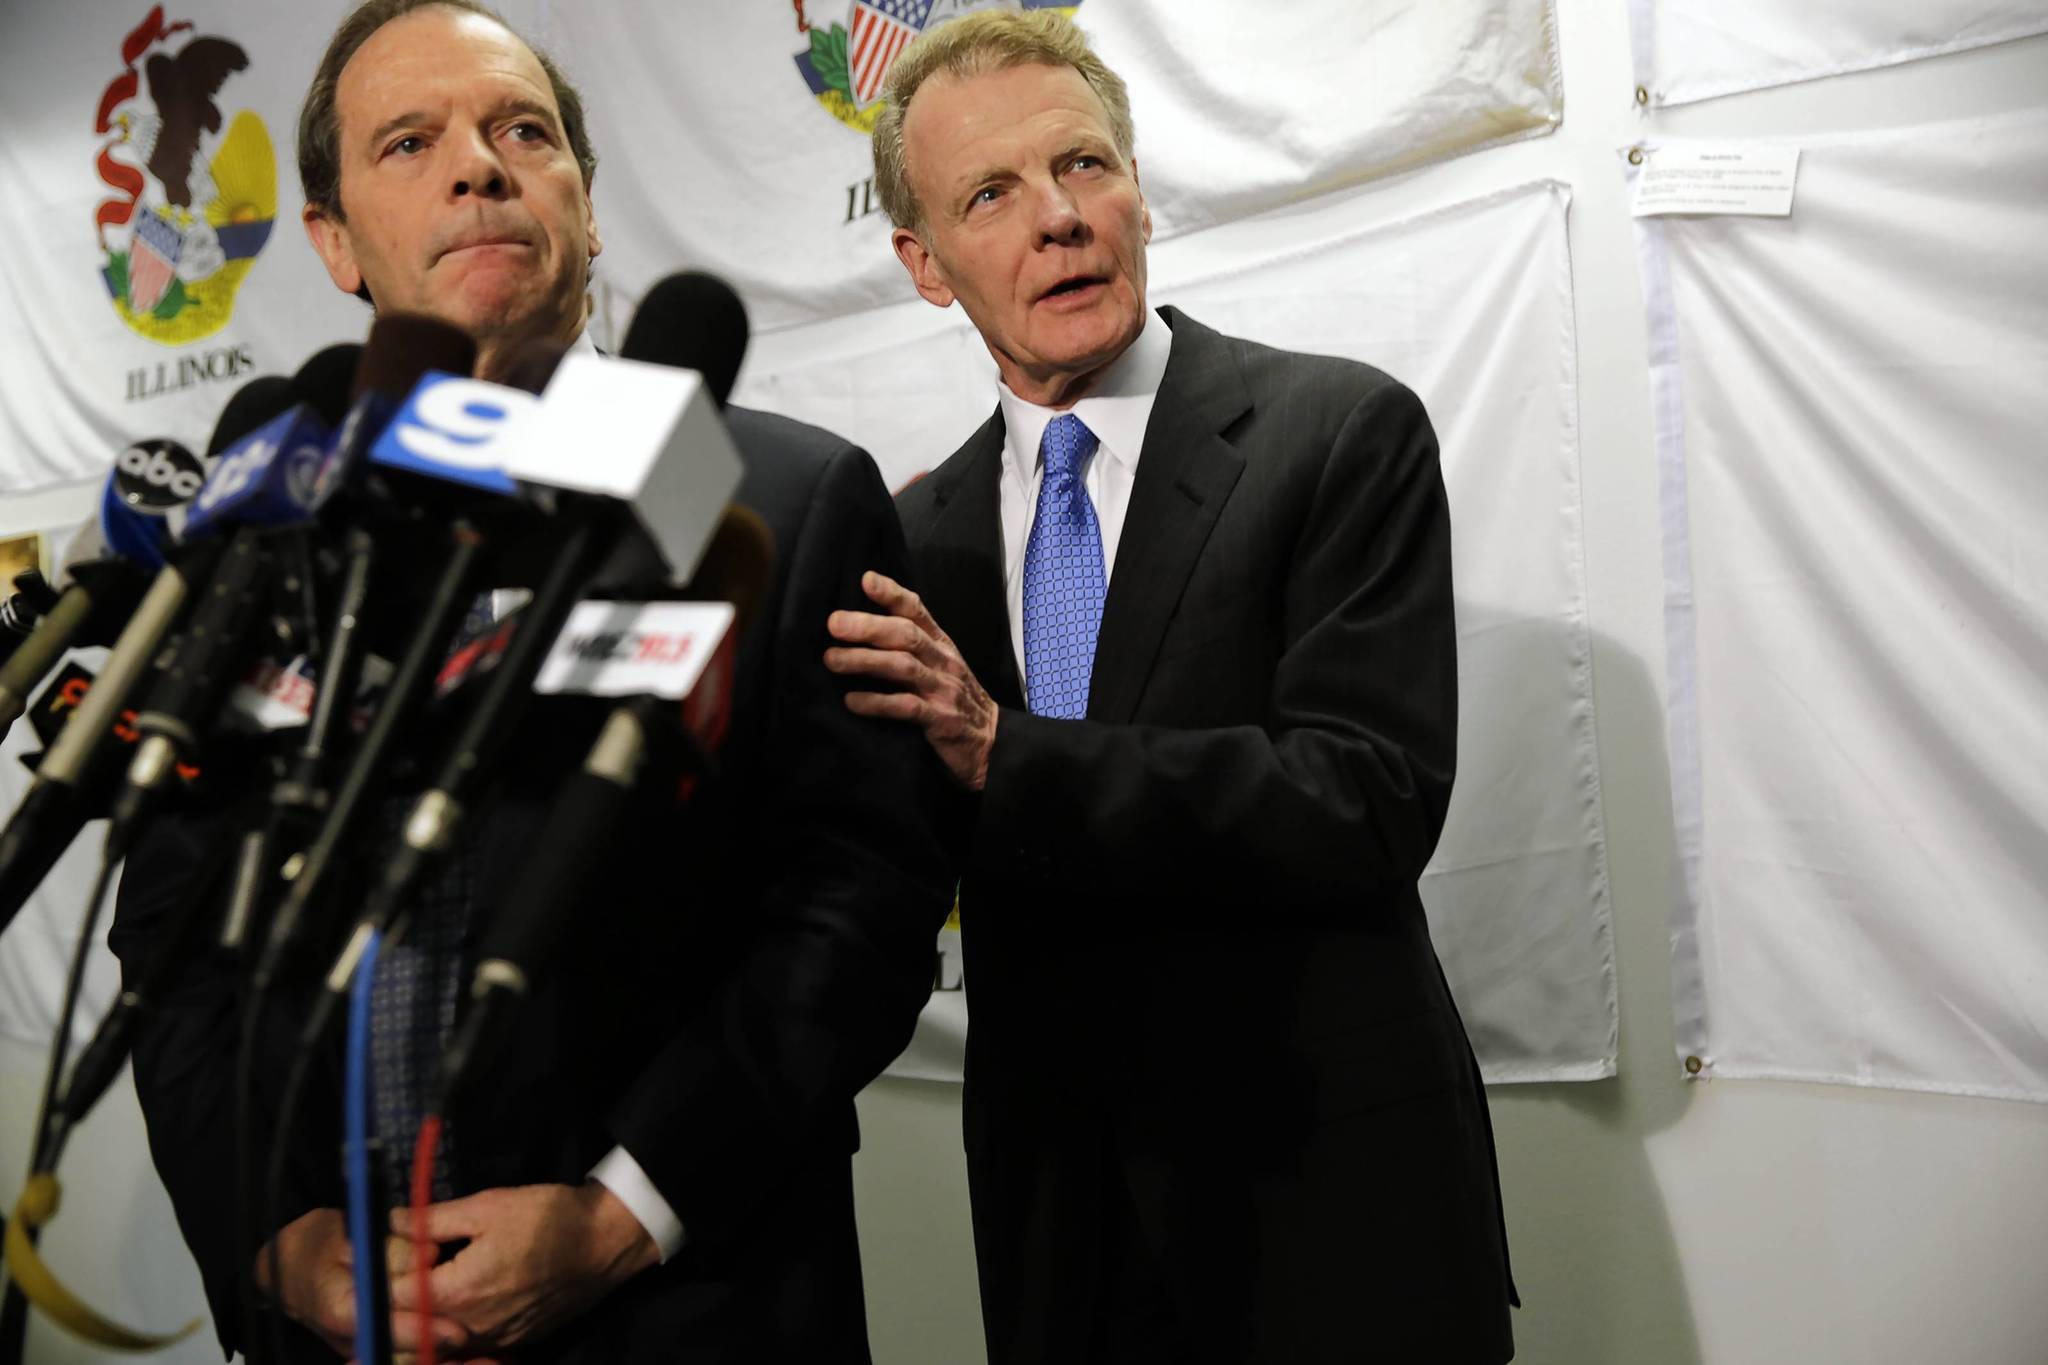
x=350 y=518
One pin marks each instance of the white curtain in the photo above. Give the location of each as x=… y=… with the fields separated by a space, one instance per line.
x=725 y=149
x=1471 y=306
x=1688 y=50
x=1850 y=412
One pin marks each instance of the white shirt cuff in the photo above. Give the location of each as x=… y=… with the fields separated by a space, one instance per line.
x=620 y=1174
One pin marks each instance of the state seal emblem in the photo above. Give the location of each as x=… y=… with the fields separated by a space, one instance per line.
x=192 y=204
x=846 y=64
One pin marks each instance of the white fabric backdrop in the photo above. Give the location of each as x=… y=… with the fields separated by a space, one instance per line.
x=1690 y=50
x=77 y=380
x=717 y=154
x=1472 y=307
x=1849 y=423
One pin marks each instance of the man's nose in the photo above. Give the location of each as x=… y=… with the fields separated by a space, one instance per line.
x=478 y=170
x=1059 y=218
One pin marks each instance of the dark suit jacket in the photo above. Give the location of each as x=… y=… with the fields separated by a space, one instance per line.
x=730 y=990
x=1202 y=986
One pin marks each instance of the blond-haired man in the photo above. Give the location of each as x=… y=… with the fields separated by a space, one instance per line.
x=1188 y=636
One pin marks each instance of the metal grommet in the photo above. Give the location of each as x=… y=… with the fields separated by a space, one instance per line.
x=1694 y=1066
x=1635 y=156
x=1643 y=94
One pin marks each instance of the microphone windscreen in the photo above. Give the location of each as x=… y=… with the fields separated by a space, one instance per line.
x=738 y=564
x=534 y=364
x=255 y=403
x=324 y=381
x=402 y=347
x=692 y=321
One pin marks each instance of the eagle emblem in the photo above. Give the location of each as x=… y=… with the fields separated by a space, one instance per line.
x=194 y=192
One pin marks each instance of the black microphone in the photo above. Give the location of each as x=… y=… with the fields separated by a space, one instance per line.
x=642 y=739
x=691 y=321
x=30 y=601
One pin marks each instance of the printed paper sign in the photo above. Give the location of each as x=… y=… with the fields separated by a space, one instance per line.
x=1717 y=179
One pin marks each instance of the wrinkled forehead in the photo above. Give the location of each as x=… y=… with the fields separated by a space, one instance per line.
x=955 y=120
x=435 y=56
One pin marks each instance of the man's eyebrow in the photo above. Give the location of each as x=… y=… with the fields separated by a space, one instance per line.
x=392 y=125
x=532 y=108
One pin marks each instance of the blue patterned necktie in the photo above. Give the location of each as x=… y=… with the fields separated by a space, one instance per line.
x=1064 y=581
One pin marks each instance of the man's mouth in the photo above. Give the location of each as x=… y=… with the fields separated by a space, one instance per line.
x=1073 y=285
x=482 y=242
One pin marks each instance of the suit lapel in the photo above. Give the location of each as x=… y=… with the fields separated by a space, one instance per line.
x=1186 y=472
x=964 y=559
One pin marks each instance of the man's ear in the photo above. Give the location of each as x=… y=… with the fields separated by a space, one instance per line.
x=329 y=237
x=924 y=269
x=1144 y=209
x=590 y=222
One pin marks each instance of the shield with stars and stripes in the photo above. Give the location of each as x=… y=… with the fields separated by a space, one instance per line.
x=876 y=33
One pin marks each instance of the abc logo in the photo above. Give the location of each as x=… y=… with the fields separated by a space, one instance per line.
x=454 y=421
x=158 y=475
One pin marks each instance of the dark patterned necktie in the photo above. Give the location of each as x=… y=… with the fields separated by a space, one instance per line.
x=1064 y=580
x=412 y=1008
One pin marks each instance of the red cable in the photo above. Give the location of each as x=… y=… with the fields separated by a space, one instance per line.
x=423 y=1259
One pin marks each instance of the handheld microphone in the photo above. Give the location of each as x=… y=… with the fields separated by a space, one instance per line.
x=691 y=321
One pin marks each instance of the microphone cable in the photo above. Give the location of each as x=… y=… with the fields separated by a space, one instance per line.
x=373 y=1305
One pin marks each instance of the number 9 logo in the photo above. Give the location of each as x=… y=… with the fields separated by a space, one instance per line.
x=453 y=422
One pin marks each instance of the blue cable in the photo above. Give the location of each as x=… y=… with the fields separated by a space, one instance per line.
x=358 y=1140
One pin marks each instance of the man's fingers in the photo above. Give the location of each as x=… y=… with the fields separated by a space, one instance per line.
x=883 y=632
x=410 y=1331
x=888 y=705
x=449 y=1222
x=900 y=601
x=891 y=664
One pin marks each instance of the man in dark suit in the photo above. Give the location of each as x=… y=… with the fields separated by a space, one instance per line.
x=658 y=1167
x=1187 y=637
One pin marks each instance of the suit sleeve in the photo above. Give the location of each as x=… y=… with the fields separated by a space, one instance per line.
x=832 y=983
x=1337 y=797
x=184 y=1063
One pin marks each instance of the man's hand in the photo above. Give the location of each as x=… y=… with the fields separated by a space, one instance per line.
x=906 y=646
x=317 y=1266
x=538 y=1255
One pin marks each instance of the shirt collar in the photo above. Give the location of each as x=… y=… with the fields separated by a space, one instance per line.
x=1117 y=411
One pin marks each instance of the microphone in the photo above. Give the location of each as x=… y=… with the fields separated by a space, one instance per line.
x=68 y=786
x=30 y=601
x=589 y=821
x=106 y=570
x=645 y=432
x=691 y=321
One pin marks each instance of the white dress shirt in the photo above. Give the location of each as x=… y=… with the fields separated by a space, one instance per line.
x=1117 y=411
